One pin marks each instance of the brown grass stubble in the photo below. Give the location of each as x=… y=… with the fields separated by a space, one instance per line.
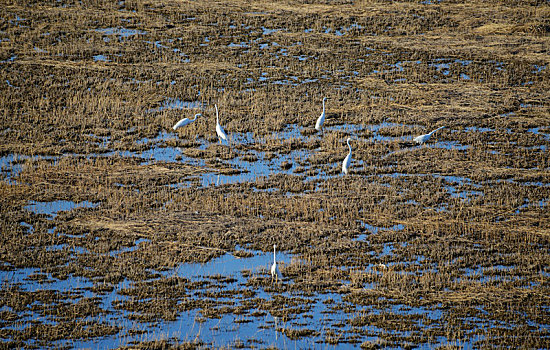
x=85 y=101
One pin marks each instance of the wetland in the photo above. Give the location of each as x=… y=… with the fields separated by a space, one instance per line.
x=118 y=232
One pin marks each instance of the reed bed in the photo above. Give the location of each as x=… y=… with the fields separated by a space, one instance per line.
x=437 y=245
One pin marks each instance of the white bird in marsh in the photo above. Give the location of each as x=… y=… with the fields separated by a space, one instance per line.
x=347 y=161
x=275 y=273
x=424 y=138
x=219 y=129
x=185 y=121
x=321 y=118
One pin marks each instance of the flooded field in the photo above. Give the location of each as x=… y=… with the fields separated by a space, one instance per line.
x=118 y=231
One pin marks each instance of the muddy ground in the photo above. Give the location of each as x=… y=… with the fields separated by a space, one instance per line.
x=117 y=231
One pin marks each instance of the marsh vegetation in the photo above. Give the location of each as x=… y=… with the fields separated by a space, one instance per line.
x=117 y=231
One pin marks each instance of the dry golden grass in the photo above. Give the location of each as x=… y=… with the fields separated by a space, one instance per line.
x=462 y=227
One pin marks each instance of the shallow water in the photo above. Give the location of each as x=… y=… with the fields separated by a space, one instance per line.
x=52 y=208
x=389 y=252
x=10 y=166
x=121 y=31
x=257 y=325
x=230 y=265
x=101 y=58
x=375 y=229
x=250 y=171
x=265 y=328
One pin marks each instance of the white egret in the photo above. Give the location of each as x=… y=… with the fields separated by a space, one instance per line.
x=219 y=129
x=424 y=138
x=275 y=273
x=321 y=118
x=347 y=161
x=185 y=121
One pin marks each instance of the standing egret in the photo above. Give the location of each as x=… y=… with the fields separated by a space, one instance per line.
x=347 y=160
x=219 y=129
x=275 y=273
x=185 y=121
x=424 y=138
x=321 y=118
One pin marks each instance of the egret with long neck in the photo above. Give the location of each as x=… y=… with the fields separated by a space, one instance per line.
x=219 y=129
x=347 y=161
x=275 y=273
x=185 y=121
x=321 y=118
x=424 y=138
